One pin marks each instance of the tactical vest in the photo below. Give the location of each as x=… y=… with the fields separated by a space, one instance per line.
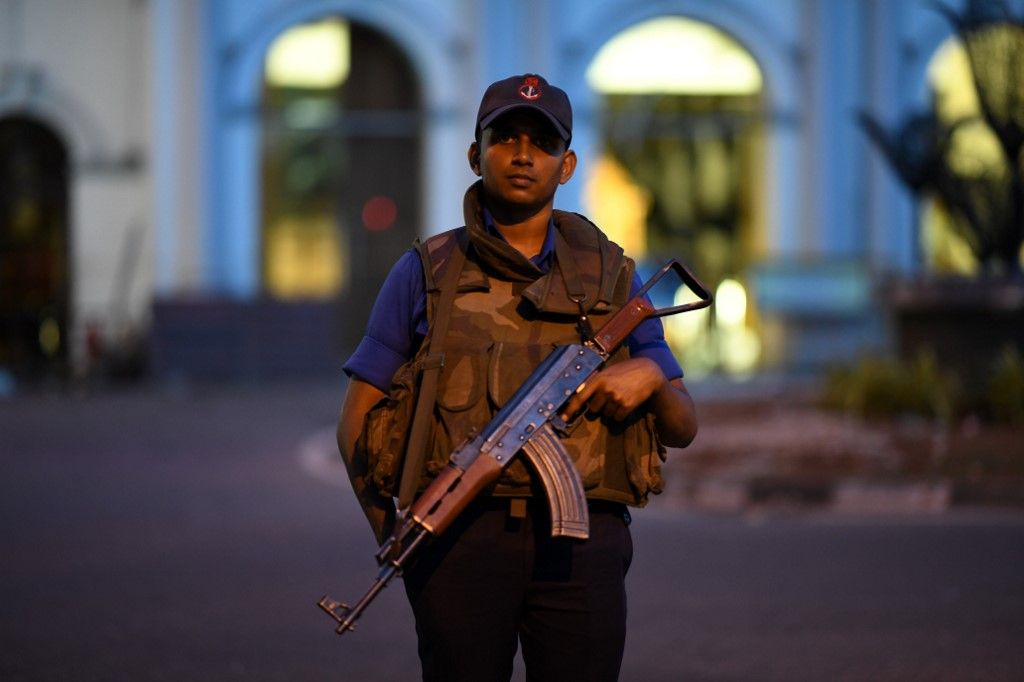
x=507 y=316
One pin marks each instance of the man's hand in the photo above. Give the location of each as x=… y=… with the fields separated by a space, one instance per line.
x=616 y=391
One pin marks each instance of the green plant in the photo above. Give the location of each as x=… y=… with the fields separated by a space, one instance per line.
x=1005 y=394
x=877 y=387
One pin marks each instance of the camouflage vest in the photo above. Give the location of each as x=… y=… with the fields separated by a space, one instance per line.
x=506 y=317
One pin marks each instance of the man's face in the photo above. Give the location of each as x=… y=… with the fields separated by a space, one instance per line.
x=522 y=159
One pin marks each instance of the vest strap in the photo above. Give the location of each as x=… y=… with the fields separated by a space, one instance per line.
x=573 y=286
x=415 y=449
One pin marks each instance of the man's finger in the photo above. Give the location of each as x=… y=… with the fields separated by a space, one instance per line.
x=579 y=399
x=597 y=403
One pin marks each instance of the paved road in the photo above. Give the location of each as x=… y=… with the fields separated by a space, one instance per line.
x=185 y=535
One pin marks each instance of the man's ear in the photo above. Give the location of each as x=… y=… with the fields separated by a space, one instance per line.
x=568 y=167
x=474 y=158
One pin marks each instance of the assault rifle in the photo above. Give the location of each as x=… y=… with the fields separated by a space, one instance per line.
x=529 y=423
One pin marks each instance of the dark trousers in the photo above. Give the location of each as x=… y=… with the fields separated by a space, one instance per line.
x=494 y=580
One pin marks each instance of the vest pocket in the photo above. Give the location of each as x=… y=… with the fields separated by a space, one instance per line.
x=509 y=367
x=461 y=407
x=644 y=458
x=375 y=445
x=462 y=380
x=381 y=443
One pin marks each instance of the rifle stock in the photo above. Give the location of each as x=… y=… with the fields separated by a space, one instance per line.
x=524 y=424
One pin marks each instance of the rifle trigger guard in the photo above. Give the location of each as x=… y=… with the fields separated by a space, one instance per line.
x=565 y=428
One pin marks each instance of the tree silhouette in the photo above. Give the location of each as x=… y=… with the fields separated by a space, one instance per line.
x=988 y=203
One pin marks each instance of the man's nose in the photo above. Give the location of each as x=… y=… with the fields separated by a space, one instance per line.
x=523 y=150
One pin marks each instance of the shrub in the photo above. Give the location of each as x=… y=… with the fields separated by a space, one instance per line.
x=877 y=387
x=1005 y=394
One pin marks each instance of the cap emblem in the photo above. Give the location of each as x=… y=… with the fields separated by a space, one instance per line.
x=530 y=89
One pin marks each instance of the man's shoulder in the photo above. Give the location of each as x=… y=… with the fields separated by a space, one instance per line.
x=586 y=239
x=581 y=233
x=604 y=270
x=435 y=252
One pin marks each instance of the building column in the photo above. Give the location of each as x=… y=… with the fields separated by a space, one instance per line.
x=177 y=125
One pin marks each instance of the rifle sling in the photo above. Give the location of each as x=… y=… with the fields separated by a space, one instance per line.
x=415 y=449
x=573 y=287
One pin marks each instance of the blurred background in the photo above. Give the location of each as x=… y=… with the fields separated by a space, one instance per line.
x=199 y=200
x=216 y=189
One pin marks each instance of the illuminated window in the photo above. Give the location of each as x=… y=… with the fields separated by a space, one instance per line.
x=674 y=55
x=681 y=140
x=310 y=56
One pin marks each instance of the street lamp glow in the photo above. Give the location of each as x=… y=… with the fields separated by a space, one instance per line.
x=730 y=303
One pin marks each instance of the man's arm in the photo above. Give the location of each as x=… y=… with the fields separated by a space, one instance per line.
x=619 y=389
x=379 y=510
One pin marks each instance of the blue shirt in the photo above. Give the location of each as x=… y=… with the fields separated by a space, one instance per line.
x=398 y=322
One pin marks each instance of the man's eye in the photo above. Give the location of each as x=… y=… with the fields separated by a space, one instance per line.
x=548 y=143
x=505 y=137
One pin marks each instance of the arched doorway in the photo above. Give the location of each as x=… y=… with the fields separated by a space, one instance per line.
x=682 y=139
x=341 y=164
x=34 y=281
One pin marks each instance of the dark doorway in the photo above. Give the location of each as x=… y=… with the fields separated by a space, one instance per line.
x=34 y=281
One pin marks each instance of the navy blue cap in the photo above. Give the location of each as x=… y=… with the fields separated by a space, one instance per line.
x=528 y=90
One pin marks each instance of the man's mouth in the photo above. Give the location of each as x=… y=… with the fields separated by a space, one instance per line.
x=520 y=180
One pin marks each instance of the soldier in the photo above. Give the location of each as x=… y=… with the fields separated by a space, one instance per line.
x=496 y=578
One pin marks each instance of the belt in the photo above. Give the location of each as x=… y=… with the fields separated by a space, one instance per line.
x=518 y=506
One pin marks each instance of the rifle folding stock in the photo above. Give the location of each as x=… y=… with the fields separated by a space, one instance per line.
x=527 y=423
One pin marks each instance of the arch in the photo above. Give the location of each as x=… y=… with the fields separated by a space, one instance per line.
x=682 y=135
x=659 y=55
x=33 y=93
x=777 y=58
x=35 y=292
x=335 y=215
x=413 y=30
x=432 y=48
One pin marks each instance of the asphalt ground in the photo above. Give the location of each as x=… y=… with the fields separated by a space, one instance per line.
x=185 y=534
